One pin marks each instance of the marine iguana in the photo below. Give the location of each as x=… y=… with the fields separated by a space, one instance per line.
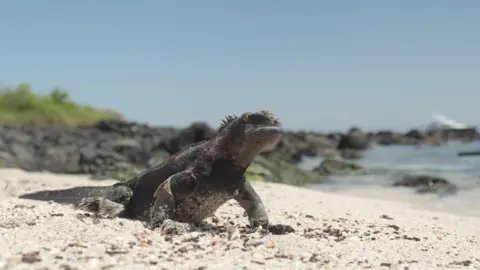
x=192 y=184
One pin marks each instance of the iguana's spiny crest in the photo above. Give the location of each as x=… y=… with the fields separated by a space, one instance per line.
x=226 y=122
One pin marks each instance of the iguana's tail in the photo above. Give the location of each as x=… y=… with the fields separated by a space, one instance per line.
x=67 y=196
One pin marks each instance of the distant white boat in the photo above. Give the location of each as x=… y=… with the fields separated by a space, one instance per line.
x=440 y=122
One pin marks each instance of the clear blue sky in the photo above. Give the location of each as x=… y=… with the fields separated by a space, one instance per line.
x=320 y=65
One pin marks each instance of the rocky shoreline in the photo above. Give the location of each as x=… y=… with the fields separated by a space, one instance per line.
x=119 y=149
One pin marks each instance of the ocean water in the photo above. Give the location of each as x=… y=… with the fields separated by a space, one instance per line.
x=390 y=163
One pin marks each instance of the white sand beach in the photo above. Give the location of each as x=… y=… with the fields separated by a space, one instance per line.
x=332 y=232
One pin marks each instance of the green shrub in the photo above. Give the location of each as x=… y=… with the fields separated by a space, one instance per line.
x=22 y=105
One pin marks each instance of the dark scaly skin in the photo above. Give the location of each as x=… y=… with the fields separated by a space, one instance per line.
x=192 y=184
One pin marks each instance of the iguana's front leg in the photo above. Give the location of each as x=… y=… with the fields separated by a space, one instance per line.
x=253 y=205
x=176 y=187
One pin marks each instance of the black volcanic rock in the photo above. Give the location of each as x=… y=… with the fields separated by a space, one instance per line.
x=113 y=146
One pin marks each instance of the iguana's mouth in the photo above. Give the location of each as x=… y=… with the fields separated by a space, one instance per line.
x=267 y=135
x=267 y=130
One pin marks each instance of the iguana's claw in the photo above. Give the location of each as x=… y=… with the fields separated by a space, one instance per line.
x=257 y=216
x=258 y=220
x=257 y=223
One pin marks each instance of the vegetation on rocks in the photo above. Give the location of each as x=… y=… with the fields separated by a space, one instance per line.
x=279 y=171
x=332 y=166
x=22 y=106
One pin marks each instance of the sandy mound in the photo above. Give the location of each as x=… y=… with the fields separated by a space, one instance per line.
x=332 y=231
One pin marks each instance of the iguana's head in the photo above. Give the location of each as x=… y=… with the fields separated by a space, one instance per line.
x=244 y=137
